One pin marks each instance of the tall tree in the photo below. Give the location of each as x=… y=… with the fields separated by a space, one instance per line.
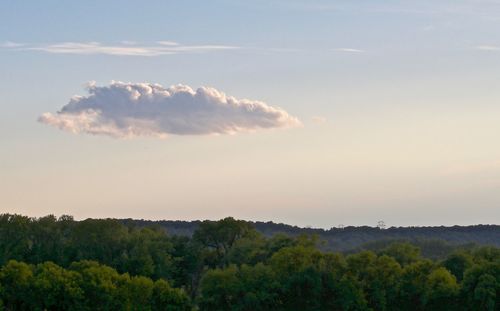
x=219 y=237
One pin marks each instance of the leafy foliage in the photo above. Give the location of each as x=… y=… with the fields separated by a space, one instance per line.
x=53 y=263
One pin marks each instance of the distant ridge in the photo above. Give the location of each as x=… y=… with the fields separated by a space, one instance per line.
x=352 y=238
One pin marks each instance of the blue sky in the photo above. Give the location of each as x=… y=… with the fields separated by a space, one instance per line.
x=397 y=100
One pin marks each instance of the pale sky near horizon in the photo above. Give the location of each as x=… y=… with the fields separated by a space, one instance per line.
x=399 y=105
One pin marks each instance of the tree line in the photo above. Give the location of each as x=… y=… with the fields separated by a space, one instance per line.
x=51 y=263
x=352 y=238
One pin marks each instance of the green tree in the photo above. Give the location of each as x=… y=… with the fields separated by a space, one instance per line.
x=16 y=279
x=46 y=241
x=246 y=288
x=297 y=271
x=219 y=289
x=277 y=242
x=441 y=290
x=301 y=290
x=14 y=237
x=248 y=250
x=219 y=237
x=379 y=278
x=486 y=254
x=457 y=263
x=55 y=288
x=147 y=253
x=102 y=286
x=481 y=286
x=102 y=240
x=413 y=284
x=138 y=292
x=259 y=288
x=293 y=259
x=344 y=293
x=486 y=292
x=187 y=264
x=166 y=298
x=404 y=253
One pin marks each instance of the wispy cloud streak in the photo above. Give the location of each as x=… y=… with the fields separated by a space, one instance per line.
x=488 y=48
x=125 y=48
x=348 y=50
x=158 y=48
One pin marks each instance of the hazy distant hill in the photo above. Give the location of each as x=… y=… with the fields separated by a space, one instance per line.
x=355 y=238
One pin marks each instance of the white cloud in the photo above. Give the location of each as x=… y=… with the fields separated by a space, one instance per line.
x=124 y=110
x=128 y=42
x=125 y=48
x=488 y=48
x=170 y=43
x=348 y=50
x=10 y=44
x=158 y=48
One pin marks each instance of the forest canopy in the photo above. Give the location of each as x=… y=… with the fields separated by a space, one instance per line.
x=51 y=263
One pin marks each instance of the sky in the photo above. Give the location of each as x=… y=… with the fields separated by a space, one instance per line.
x=312 y=113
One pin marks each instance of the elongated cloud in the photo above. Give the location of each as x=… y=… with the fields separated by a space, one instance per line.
x=348 y=50
x=124 y=110
x=158 y=48
x=125 y=48
x=488 y=48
